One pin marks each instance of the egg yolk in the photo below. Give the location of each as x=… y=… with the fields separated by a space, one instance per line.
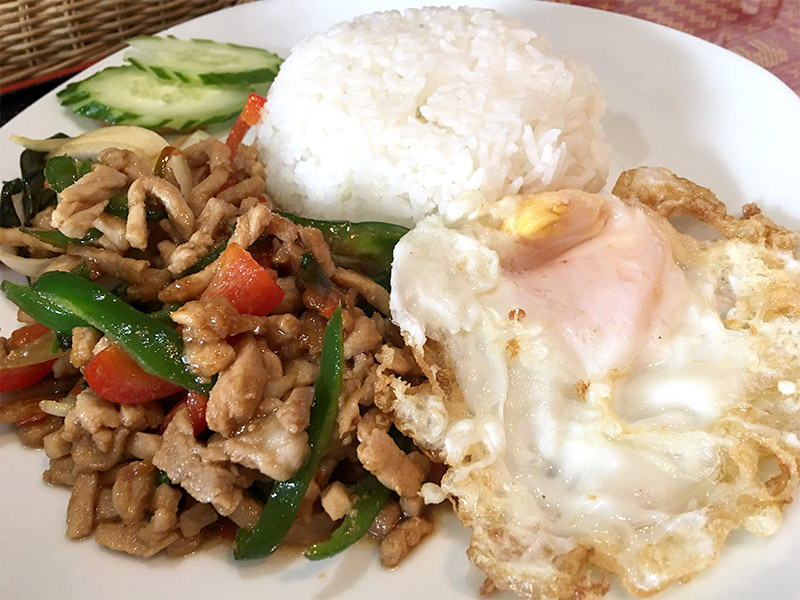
x=595 y=270
x=538 y=216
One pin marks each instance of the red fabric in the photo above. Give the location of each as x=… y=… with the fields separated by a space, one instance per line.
x=766 y=32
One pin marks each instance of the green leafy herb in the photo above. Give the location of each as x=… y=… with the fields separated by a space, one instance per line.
x=29 y=191
x=118 y=207
x=82 y=270
x=8 y=212
x=163 y=315
x=63 y=341
x=60 y=172
x=35 y=196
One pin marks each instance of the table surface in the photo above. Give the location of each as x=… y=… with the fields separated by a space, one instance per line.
x=764 y=31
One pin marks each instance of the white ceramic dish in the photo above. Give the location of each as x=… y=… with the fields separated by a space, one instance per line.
x=673 y=101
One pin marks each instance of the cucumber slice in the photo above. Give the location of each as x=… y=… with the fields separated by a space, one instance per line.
x=126 y=95
x=202 y=61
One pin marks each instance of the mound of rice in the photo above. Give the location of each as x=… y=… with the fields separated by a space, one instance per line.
x=394 y=116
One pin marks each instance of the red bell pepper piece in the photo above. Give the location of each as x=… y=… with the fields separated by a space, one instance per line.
x=248 y=117
x=114 y=375
x=23 y=366
x=324 y=303
x=196 y=403
x=16 y=378
x=25 y=335
x=35 y=417
x=244 y=282
x=232 y=181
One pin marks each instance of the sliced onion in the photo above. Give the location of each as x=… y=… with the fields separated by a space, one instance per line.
x=33 y=353
x=58 y=408
x=48 y=145
x=147 y=144
x=32 y=267
x=83 y=149
x=183 y=175
x=49 y=387
x=197 y=136
x=19 y=208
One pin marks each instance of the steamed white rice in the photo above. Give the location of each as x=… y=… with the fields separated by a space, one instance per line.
x=395 y=116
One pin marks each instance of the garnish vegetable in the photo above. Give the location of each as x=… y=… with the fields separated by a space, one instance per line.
x=202 y=61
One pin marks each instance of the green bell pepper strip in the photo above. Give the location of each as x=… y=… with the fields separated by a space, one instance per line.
x=82 y=270
x=284 y=499
x=156 y=346
x=370 y=497
x=162 y=477
x=41 y=308
x=206 y=260
x=58 y=239
x=366 y=246
x=118 y=207
x=163 y=315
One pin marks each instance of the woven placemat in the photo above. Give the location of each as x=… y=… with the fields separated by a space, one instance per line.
x=38 y=37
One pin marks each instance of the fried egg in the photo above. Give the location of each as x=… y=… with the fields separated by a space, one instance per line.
x=610 y=396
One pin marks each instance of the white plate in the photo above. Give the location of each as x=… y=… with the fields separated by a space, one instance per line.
x=673 y=100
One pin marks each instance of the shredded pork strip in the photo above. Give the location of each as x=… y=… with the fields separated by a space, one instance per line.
x=159 y=476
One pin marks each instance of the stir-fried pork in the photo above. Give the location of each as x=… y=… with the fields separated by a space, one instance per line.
x=237 y=393
x=266 y=446
x=180 y=215
x=403 y=539
x=165 y=475
x=393 y=468
x=200 y=470
x=84 y=201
